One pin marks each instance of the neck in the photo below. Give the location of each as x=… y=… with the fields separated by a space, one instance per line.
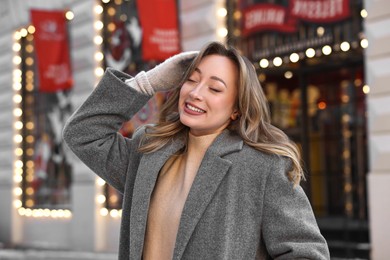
x=200 y=144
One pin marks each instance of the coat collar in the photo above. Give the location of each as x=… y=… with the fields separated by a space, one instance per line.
x=210 y=174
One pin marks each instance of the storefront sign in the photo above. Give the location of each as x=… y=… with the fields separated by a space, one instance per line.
x=267 y=17
x=274 y=17
x=320 y=10
x=160 y=36
x=51 y=44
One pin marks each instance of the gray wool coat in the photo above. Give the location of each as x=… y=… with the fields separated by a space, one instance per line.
x=241 y=204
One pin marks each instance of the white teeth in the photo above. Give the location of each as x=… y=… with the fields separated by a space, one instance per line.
x=195 y=109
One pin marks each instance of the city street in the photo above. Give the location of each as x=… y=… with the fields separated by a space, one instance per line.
x=11 y=254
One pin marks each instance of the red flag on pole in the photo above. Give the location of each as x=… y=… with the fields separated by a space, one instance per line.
x=160 y=36
x=51 y=44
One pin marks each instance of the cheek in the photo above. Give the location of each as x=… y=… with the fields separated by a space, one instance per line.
x=183 y=91
x=181 y=95
x=228 y=103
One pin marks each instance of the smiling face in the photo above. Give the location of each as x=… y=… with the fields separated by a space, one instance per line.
x=207 y=101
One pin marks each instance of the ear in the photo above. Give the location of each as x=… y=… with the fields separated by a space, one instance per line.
x=234 y=115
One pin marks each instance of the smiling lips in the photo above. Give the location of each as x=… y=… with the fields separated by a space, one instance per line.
x=193 y=110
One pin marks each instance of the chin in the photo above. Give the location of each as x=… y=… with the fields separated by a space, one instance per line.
x=185 y=122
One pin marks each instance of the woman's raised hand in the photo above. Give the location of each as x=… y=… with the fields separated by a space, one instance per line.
x=168 y=74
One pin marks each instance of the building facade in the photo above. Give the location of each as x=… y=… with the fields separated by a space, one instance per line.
x=378 y=73
x=332 y=102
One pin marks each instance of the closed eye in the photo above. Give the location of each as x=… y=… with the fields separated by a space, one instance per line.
x=191 y=80
x=215 y=90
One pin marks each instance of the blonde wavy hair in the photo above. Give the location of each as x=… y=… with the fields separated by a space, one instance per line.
x=254 y=124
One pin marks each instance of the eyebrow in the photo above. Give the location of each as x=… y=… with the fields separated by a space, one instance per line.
x=213 y=77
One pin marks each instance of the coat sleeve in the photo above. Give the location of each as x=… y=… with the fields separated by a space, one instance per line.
x=290 y=230
x=92 y=131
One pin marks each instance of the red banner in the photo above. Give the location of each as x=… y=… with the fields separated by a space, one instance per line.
x=260 y=17
x=160 y=36
x=267 y=17
x=320 y=10
x=51 y=44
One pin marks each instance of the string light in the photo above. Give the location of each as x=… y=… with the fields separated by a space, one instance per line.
x=222 y=12
x=17 y=203
x=17 y=60
x=294 y=57
x=114 y=213
x=310 y=53
x=277 y=61
x=18 y=151
x=104 y=211
x=222 y=32
x=98 y=39
x=264 y=63
x=99 y=71
x=288 y=74
x=38 y=213
x=18 y=138
x=364 y=43
x=100 y=182
x=17 y=98
x=326 y=50
x=99 y=56
x=16 y=47
x=17 y=36
x=18 y=178
x=363 y=13
x=31 y=29
x=99 y=25
x=111 y=11
x=29 y=48
x=69 y=15
x=346 y=155
x=101 y=199
x=366 y=89
x=98 y=9
x=23 y=32
x=237 y=15
x=345 y=46
x=322 y=105
x=320 y=31
x=18 y=125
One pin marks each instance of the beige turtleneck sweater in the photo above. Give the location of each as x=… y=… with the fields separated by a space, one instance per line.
x=168 y=198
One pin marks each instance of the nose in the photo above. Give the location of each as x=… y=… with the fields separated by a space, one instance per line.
x=196 y=93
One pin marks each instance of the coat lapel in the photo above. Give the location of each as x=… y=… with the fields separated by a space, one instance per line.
x=210 y=174
x=148 y=170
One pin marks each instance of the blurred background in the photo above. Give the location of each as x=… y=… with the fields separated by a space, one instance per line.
x=323 y=64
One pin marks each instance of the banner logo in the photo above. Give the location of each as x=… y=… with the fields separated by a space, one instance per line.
x=260 y=17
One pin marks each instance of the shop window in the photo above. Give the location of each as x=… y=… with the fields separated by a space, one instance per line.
x=333 y=129
x=47 y=173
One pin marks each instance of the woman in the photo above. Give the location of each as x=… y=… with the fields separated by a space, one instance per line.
x=213 y=179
